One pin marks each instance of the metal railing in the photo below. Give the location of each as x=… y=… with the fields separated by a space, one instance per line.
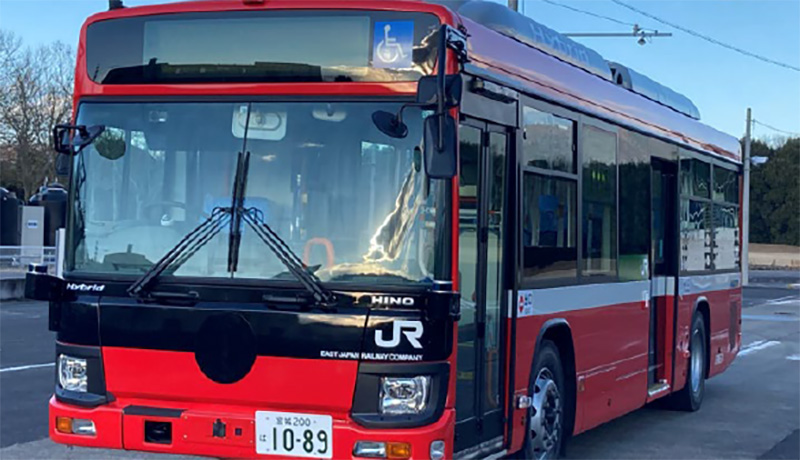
x=14 y=260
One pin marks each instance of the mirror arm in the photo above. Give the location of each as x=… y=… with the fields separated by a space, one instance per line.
x=440 y=86
x=399 y=116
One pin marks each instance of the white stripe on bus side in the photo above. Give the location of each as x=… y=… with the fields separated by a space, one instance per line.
x=663 y=286
x=532 y=302
x=690 y=285
x=553 y=300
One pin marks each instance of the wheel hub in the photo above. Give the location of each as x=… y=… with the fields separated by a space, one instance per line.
x=545 y=416
x=697 y=355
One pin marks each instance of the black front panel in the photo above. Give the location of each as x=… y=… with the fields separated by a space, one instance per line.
x=406 y=336
x=77 y=321
x=411 y=327
x=128 y=324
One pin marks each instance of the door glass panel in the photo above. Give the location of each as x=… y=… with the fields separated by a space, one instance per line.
x=495 y=185
x=470 y=146
x=659 y=226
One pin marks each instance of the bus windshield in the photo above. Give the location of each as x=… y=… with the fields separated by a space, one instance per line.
x=353 y=203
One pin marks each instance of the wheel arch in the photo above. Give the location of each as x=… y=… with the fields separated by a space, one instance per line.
x=702 y=306
x=559 y=332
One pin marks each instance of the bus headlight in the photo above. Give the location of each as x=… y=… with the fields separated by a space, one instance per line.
x=404 y=395
x=72 y=373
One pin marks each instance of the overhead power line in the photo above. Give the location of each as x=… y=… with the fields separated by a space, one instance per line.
x=706 y=37
x=644 y=35
x=588 y=13
x=788 y=133
x=617 y=34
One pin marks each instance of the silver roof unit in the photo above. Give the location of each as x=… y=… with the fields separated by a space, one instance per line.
x=650 y=89
x=521 y=28
x=503 y=20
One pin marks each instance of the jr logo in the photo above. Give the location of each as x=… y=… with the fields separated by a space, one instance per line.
x=411 y=329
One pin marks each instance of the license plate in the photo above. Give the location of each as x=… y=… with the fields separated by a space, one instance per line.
x=296 y=435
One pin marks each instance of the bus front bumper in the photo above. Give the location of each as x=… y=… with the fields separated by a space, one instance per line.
x=122 y=426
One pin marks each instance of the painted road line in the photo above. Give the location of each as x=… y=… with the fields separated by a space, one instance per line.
x=793 y=358
x=790 y=299
x=776 y=318
x=756 y=346
x=27 y=367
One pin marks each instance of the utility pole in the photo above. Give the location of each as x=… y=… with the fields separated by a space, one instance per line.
x=513 y=5
x=746 y=204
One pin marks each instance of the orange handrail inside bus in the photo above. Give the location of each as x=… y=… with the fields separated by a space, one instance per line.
x=319 y=241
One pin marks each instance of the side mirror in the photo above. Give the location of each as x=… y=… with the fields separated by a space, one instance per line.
x=61 y=139
x=441 y=163
x=71 y=139
x=428 y=89
x=390 y=124
x=111 y=145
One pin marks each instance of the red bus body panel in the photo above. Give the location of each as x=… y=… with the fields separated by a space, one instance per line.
x=192 y=431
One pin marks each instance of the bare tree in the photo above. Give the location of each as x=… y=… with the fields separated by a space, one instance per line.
x=35 y=95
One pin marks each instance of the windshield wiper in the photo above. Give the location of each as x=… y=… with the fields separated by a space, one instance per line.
x=237 y=205
x=181 y=252
x=202 y=234
x=234 y=216
x=255 y=220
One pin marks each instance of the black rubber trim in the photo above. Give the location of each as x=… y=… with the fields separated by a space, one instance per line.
x=80 y=399
x=148 y=411
x=542 y=330
x=96 y=394
x=365 y=400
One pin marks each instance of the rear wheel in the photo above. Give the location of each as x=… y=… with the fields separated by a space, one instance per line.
x=690 y=398
x=545 y=433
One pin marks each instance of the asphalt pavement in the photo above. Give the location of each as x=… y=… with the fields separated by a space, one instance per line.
x=750 y=411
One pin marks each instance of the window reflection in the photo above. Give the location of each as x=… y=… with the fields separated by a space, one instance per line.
x=548 y=227
x=548 y=141
x=599 y=202
x=634 y=205
x=695 y=235
x=695 y=178
x=469 y=157
x=726 y=185
x=726 y=237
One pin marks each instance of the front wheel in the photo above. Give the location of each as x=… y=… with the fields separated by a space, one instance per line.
x=545 y=433
x=690 y=397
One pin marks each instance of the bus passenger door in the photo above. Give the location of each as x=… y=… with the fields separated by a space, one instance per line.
x=479 y=380
x=664 y=275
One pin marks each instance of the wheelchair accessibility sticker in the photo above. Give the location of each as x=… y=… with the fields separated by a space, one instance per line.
x=393 y=44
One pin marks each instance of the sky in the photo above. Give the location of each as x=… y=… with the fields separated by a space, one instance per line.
x=722 y=83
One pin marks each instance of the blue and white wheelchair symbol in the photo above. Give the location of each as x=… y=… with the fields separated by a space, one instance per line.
x=393 y=44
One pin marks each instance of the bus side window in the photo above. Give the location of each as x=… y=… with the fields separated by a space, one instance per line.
x=549 y=229
x=549 y=197
x=599 y=186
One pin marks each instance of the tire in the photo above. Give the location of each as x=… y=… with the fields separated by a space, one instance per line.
x=546 y=415
x=690 y=398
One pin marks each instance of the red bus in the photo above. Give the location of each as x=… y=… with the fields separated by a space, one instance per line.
x=379 y=229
